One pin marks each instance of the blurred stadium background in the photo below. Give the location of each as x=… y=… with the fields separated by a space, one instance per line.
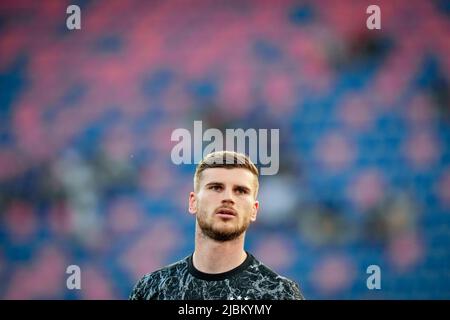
x=86 y=117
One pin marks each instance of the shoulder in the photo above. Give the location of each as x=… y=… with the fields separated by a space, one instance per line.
x=291 y=289
x=149 y=284
x=281 y=287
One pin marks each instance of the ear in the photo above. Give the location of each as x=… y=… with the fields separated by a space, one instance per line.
x=254 y=211
x=192 y=203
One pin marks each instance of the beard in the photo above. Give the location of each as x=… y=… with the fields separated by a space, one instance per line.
x=220 y=234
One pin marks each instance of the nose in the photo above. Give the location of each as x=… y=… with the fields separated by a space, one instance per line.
x=228 y=197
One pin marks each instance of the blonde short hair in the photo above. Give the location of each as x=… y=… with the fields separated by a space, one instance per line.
x=227 y=160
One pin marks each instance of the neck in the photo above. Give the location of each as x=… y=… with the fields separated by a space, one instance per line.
x=212 y=256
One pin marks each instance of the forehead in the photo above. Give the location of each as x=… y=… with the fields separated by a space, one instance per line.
x=235 y=176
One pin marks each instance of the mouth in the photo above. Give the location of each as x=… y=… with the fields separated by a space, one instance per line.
x=226 y=212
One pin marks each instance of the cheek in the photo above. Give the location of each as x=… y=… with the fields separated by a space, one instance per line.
x=204 y=203
x=212 y=199
x=247 y=205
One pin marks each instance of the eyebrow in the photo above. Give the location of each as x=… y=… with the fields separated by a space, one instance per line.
x=221 y=184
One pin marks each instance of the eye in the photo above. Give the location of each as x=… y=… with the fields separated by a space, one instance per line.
x=215 y=188
x=241 y=190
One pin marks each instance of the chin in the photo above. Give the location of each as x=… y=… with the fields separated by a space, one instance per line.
x=224 y=229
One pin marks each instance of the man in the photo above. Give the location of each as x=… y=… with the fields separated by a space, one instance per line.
x=224 y=203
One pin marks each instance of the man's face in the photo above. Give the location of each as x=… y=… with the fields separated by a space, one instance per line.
x=224 y=203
